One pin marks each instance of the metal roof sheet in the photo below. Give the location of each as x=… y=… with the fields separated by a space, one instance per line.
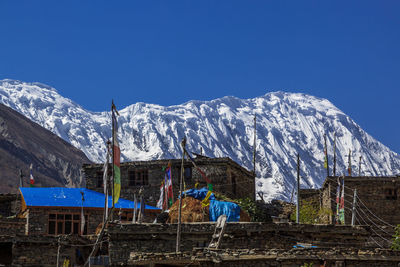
x=71 y=197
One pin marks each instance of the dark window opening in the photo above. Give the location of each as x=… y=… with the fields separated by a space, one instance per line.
x=6 y=253
x=188 y=173
x=138 y=177
x=126 y=216
x=233 y=184
x=391 y=194
x=99 y=179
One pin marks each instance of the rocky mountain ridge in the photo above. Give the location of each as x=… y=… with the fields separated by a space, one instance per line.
x=287 y=124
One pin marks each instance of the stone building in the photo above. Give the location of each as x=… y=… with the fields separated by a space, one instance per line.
x=227 y=177
x=57 y=210
x=376 y=195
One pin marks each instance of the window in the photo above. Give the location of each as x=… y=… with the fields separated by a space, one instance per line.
x=188 y=173
x=68 y=223
x=391 y=194
x=233 y=177
x=126 y=216
x=138 y=177
x=99 y=179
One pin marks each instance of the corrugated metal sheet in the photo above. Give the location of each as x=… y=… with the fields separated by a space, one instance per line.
x=70 y=197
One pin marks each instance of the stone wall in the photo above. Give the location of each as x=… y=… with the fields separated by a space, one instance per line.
x=161 y=238
x=374 y=192
x=10 y=204
x=273 y=257
x=39 y=250
x=227 y=177
x=12 y=226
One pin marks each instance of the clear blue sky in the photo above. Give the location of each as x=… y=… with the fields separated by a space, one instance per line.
x=169 y=52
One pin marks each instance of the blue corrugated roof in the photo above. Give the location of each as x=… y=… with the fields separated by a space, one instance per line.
x=70 y=197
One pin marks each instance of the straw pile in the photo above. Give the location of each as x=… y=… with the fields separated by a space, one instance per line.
x=192 y=211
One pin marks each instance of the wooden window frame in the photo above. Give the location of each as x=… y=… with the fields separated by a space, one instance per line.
x=63 y=220
x=138 y=177
x=390 y=194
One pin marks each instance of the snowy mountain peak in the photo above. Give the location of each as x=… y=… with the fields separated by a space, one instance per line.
x=287 y=124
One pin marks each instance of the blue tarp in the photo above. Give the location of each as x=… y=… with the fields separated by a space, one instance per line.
x=218 y=208
x=198 y=193
x=70 y=197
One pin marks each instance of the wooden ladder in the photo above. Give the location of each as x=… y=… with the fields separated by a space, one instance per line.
x=218 y=232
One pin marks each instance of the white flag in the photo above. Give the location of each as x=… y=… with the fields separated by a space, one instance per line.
x=161 y=200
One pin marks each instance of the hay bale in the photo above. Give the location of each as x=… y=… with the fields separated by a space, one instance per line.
x=192 y=211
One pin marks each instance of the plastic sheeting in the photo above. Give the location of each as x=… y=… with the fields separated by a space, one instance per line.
x=218 y=208
x=198 y=193
x=70 y=197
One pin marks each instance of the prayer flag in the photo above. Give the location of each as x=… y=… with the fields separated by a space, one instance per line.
x=337 y=202
x=341 y=208
x=116 y=157
x=161 y=200
x=169 y=195
x=32 y=180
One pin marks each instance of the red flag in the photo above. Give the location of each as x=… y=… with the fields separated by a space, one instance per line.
x=31 y=179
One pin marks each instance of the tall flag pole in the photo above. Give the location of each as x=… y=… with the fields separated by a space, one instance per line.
x=298 y=190
x=21 y=182
x=32 y=180
x=349 y=161
x=82 y=215
x=105 y=182
x=334 y=154
x=326 y=165
x=116 y=156
x=359 y=166
x=254 y=145
x=337 y=202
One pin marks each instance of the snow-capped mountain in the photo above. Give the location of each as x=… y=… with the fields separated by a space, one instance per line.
x=287 y=124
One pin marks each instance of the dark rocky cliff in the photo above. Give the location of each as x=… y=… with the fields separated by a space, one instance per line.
x=22 y=142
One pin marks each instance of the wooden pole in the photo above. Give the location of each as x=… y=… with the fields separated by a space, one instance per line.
x=58 y=251
x=326 y=156
x=298 y=190
x=359 y=167
x=178 y=231
x=334 y=154
x=105 y=174
x=21 y=182
x=349 y=162
x=353 y=214
x=134 y=208
x=99 y=238
x=254 y=145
